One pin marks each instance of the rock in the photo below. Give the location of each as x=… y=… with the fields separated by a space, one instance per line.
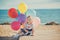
x=52 y=23
x=6 y=23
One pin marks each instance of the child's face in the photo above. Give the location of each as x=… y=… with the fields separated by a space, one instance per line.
x=29 y=20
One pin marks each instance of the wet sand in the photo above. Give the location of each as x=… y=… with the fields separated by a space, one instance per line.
x=42 y=32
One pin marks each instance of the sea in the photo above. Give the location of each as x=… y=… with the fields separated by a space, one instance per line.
x=45 y=15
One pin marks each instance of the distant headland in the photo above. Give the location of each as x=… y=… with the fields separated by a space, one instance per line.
x=52 y=23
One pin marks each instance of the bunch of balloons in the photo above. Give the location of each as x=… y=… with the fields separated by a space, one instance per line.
x=21 y=16
x=13 y=13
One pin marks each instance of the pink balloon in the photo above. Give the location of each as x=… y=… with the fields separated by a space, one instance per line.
x=15 y=25
x=36 y=21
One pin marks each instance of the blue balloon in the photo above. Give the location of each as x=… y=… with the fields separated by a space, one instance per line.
x=18 y=12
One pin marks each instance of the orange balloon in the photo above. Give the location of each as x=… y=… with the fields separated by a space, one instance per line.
x=12 y=12
x=22 y=26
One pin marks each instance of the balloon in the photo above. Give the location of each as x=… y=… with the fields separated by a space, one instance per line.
x=15 y=25
x=36 y=21
x=21 y=18
x=22 y=26
x=18 y=12
x=22 y=7
x=31 y=12
x=12 y=12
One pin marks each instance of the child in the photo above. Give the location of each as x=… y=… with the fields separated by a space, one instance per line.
x=29 y=26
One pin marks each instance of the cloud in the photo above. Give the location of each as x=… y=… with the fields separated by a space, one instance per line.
x=56 y=0
x=32 y=4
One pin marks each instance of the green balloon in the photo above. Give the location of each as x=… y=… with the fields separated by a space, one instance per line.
x=31 y=12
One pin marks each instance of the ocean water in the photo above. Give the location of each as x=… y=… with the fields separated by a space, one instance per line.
x=4 y=17
x=45 y=15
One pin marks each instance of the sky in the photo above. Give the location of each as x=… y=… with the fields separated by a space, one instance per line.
x=32 y=4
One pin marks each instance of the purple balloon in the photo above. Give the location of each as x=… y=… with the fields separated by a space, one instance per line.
x=21 y=18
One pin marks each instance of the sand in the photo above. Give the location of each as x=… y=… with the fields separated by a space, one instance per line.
x=42 y=32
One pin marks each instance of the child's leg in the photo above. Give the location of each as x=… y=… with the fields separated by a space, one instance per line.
x=23 y=31
x=30 y=32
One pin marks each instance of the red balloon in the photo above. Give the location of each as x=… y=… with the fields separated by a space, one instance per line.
x=15 y=25
x=12 y=12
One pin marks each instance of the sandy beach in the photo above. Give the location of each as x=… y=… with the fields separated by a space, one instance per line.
x=42 y=32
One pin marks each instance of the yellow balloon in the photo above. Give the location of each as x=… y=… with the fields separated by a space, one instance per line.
x=22 y=7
